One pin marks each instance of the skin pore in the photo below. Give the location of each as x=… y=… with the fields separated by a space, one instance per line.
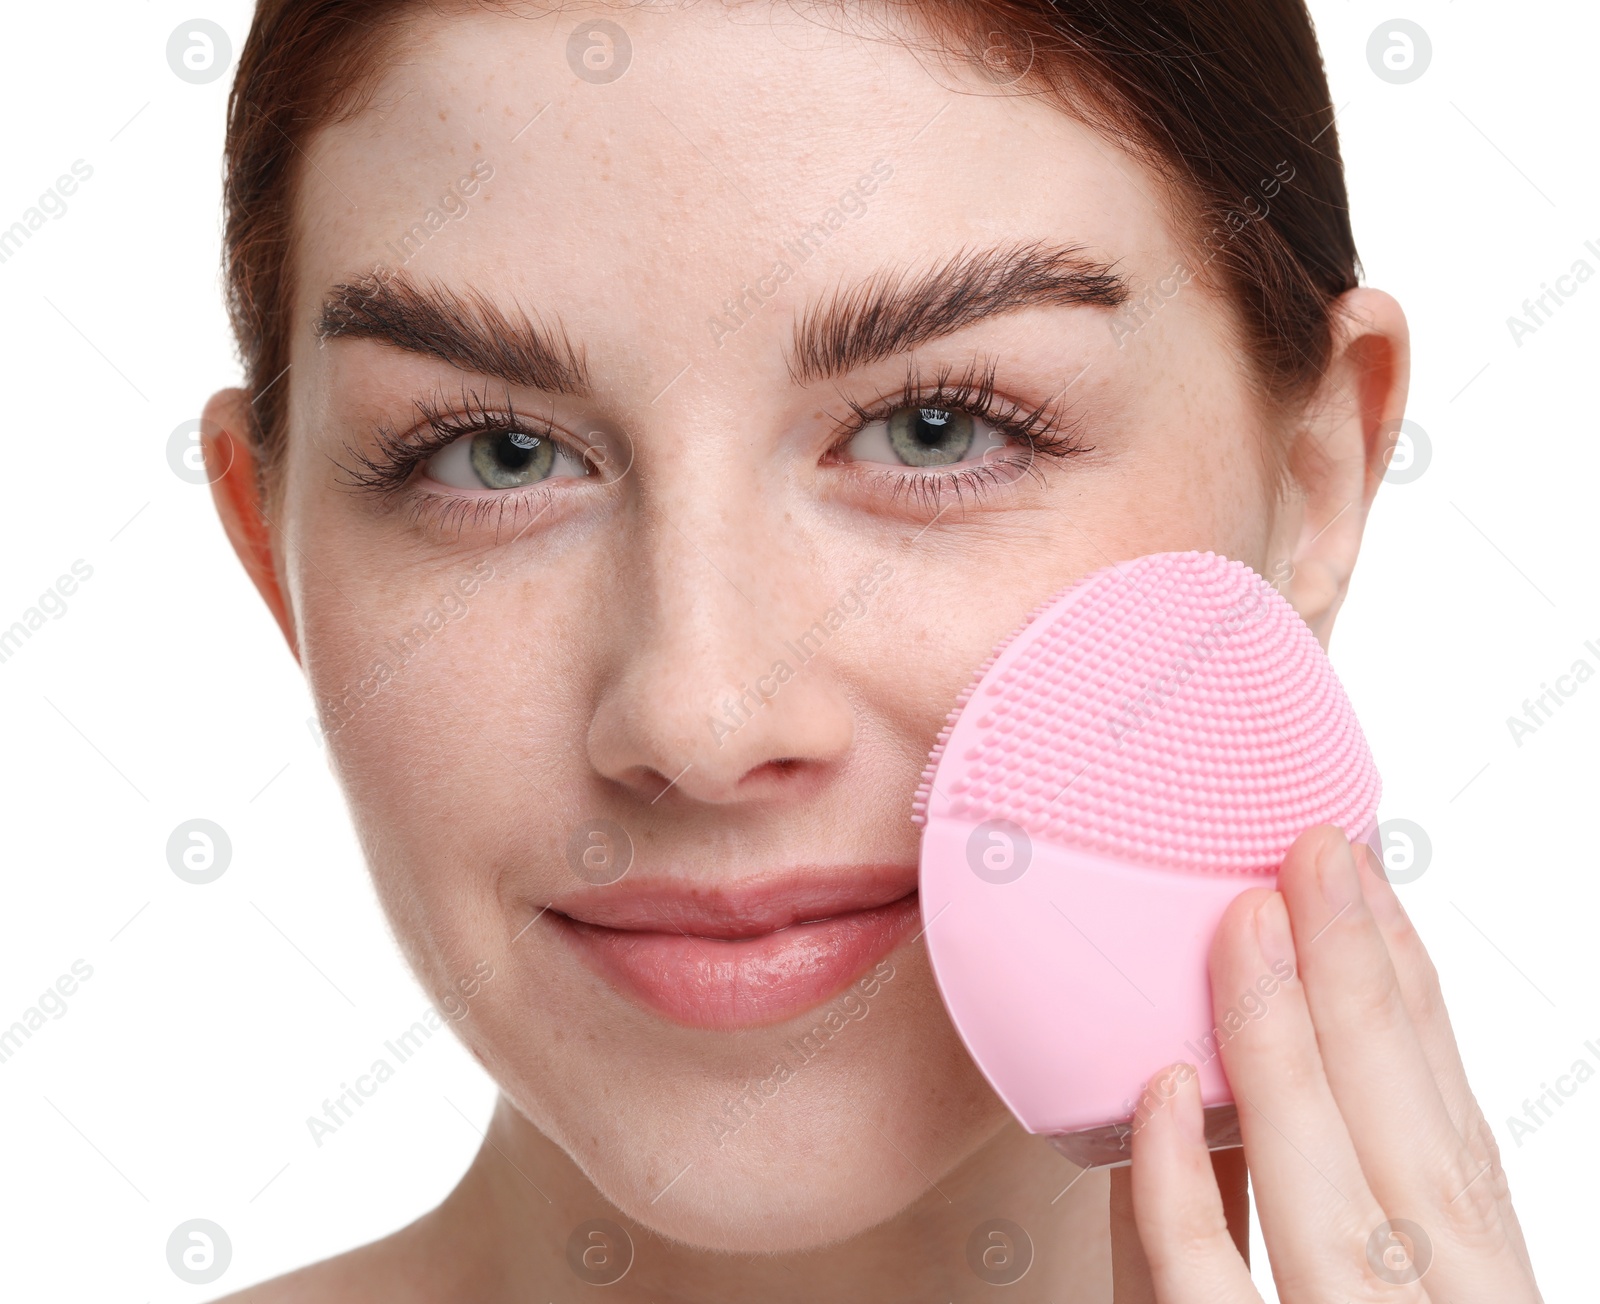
x=615 y=612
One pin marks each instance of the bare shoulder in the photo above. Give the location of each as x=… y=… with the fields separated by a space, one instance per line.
x=395 y=1270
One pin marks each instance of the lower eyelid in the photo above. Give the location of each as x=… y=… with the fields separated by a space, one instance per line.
x=453 y=513
x=992 y=473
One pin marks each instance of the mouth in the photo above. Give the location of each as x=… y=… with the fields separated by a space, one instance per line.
x=744 y=955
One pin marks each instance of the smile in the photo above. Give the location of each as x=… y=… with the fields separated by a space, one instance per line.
x=741 y=957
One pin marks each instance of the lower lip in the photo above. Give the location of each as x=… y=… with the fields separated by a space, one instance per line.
x=722 y=984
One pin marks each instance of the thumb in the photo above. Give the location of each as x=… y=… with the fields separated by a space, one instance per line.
x=1130 y=1270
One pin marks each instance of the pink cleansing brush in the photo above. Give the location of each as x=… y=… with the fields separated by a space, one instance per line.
x=1144 y=748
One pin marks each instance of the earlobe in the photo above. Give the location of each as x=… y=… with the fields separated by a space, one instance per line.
x=1347 y=435
x=231 y=467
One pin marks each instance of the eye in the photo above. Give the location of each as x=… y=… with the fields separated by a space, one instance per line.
x=924 y=437
x=503 y=459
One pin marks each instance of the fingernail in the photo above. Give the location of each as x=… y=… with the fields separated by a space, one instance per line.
x=1272 y=932
x=1337 y=873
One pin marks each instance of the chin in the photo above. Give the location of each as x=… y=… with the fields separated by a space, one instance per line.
x=852 y=1141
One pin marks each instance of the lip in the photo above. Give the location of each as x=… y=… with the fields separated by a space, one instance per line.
x=740 y=955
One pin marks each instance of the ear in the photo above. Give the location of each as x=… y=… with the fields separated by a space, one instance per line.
x=232 y=468
x=1346 y=436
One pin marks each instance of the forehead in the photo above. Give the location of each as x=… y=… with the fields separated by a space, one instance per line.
x=736 y=139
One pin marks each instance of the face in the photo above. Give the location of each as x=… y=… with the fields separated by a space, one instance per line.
x=680 y=568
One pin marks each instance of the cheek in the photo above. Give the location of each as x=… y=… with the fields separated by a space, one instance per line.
x=1184 y=476
x=1201 y=488
x=450 y=717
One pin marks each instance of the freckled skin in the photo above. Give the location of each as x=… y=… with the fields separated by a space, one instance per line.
x=583 y=675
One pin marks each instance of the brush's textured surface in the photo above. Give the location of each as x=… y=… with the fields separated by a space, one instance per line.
x=1173 y=711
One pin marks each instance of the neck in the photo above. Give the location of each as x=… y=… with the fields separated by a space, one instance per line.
x=504 y=1233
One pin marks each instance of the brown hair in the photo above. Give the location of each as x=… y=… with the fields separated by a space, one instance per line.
x=1225 y=100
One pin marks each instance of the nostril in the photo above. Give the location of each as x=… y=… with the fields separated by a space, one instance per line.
x=775 y=769
x=644 y=779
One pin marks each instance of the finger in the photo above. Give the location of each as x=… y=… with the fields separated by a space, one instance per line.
x=1419 y=989
x=1130 y=1270
x=1415 y=1161
x=1315 y=1207
x=1424 y=1002
x=1176 y=1203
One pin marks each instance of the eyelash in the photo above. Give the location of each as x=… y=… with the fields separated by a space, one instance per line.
x=390 y=468
x=387 y=471
x=1043 y=431
x=397 y=457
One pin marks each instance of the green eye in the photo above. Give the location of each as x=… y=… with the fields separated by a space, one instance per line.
x=503 y=459
x=511 y=459
x=930 y=436
x=924 y=437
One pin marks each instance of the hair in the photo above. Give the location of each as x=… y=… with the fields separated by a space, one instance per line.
x=1216 y=97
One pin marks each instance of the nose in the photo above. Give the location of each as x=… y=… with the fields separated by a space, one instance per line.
x=720 y=688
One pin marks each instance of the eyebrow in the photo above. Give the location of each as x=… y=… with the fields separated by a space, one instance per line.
x=889 y=313
x=895 y=311
x=469 y=332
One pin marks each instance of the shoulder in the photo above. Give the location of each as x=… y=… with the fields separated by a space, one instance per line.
x=392 y=1270
x=446 y=1255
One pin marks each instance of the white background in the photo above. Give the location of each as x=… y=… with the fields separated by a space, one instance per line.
x=178 y=1082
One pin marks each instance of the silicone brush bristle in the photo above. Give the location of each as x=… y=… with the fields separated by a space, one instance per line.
x=1172 y=711
x=919 y=803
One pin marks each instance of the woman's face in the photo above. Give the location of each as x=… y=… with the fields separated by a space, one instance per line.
x=709 y=628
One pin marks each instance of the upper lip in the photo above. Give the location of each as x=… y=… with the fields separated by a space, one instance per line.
x=744 y=909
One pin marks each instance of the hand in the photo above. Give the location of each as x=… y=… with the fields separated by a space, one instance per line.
x=1376 y=1176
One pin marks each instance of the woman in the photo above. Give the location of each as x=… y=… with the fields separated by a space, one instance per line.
x=593 y=359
